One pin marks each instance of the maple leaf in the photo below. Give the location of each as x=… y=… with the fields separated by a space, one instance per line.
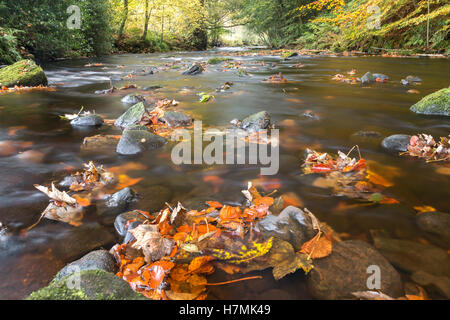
x=149 y=240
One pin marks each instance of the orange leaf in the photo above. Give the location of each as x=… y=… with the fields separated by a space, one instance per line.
x=198 y=263
x=214 y=204
x=268 y=201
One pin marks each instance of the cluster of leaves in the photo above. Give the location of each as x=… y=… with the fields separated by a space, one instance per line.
x=347 y=176
x=424 y=146
x=22 y=89
x=171 y=255
x=277 y=78
x=87 y=186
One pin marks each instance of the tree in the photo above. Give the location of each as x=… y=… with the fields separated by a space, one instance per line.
x=124 y=19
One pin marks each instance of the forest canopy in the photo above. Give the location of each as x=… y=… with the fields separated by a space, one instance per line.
x=109 y=26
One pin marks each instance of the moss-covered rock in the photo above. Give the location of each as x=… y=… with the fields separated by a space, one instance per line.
x=437 y=103
x=94 y=285
x=23 y=73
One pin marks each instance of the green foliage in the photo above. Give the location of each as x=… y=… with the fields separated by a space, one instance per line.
x=44 y=32
x=8 y=47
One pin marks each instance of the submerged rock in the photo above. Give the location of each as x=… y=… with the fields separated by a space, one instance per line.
x=367 y=78
x=95 y=260
x=23 y=73
x=100 y=143
x=346 y=271
x=397 y=143
x=436 y=226
x=74 y=243
x=153 y=198
x=93 y=285
x=134 y=142
x=437 y=103
x=256 y=122
x=149 y=88
x=91 y=120
x=132 y=99
x=291 y=225
x=440 y=284
x=413 y=256
x=367 y=134
x=195 y=69
x=132 y=116
x=176 y=119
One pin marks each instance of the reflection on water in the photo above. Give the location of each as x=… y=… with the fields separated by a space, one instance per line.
x=30 y=122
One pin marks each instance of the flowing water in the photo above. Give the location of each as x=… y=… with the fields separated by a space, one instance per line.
x=28 y=262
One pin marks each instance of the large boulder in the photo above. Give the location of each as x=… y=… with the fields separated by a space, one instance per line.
x=93 y=285
x=291 y=225
x=396 y=143
x=414 y=256
x=95 y=260
x=23 y=73
x=132 y=116
x=134 y=142
x=346 y=271
x=437 y=103
x=256 y=122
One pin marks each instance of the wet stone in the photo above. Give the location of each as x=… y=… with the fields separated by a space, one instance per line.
x=256 y=122
x=134 y=142
x=120 y=224
x=132 y=116
x=132 y=99
x=176 y=119
x=436 y=225
x=195 y=69
x=291 y=225
x=396 y=143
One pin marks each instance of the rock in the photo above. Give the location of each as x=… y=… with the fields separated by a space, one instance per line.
x=217 y=60
x=195 y=69
x=411 y=80
x=149 y=88
x=92 y=120
x=115 y=204
x=346 y=271
x=132 y=116
x=440 y=284
x=121 y=198
x=100 y=143
x=134 y=142
x=379 y=77
x=397 y=142
x=23 y=73
x=176 y=119
x=437 y=227
x=437 y=103
x=93 y=285
x=367 y=78
x=153 y=198
x=291 y=225
x=368 y=134
x=292 y=55
x=120 y=224
x=256 y=122
x=310 y=115
x=413 y=256
x=95 y=260
x=74 y=243
x=132 y=99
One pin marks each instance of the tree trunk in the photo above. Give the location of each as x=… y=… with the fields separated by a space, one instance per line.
x=147 y=19
x=124 y=19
